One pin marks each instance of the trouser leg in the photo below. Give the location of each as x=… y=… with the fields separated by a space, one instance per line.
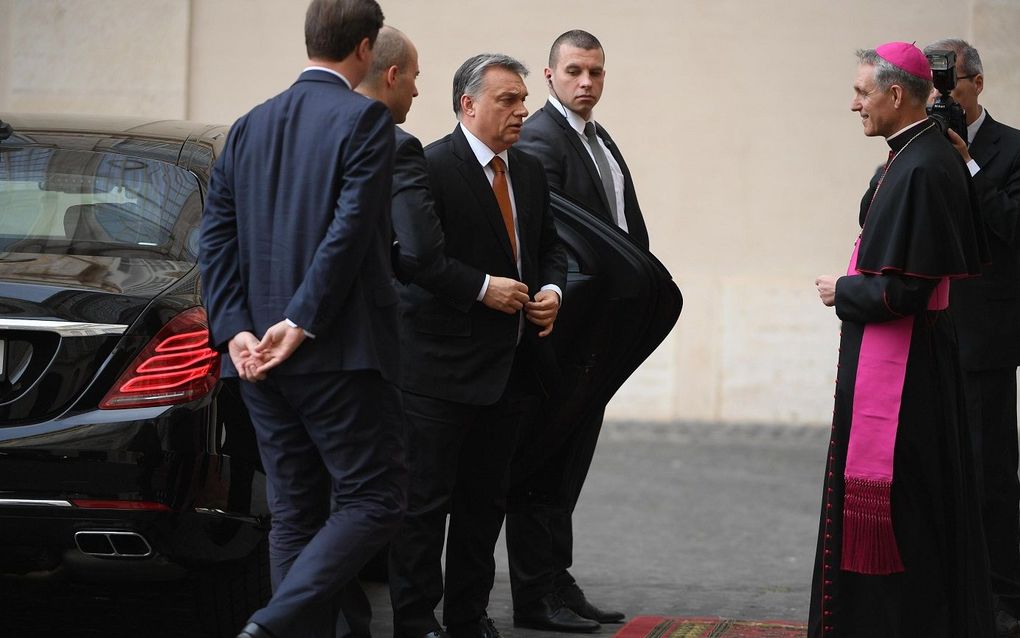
x=479 y=506
x=991 y=406
x=436 y=430
x=339 y=434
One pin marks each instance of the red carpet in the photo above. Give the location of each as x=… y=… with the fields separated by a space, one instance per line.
x=677 y=627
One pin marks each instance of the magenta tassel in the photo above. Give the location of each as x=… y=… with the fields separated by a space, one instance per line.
x=869 y=543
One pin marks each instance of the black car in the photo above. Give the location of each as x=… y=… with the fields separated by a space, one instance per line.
x=123 y=457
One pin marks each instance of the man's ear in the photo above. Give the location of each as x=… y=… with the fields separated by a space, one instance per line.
x=979 y=83
x=897 y=95
x=391 y=75
x=467 y=105
x=364 y=49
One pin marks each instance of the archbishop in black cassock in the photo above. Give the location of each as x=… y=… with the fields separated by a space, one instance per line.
x=900 y=547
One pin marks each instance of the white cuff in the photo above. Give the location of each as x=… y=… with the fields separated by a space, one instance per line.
x=485 y=287
x=294 y=325
x=555 y=289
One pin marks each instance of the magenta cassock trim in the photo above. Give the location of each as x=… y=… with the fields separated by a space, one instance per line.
x=869 y=542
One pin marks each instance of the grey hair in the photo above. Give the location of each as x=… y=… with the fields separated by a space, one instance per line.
x=967 y=56
x=888 y=74
x=469 y=77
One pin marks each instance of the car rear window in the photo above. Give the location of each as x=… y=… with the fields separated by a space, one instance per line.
x=87 y=203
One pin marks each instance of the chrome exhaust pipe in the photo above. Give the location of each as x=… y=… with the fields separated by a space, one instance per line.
x=112 y=544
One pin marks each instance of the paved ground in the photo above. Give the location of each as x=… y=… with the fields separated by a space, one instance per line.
x=675 y=520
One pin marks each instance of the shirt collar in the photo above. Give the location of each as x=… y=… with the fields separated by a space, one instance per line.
x=322 y=68
x=575 y=121
x=972 y=128
x=481 y=150
x=905 y=128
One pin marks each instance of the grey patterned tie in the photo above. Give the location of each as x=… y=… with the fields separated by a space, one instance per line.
x=604 y=171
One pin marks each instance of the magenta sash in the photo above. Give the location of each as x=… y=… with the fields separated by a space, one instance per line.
x=869 y=543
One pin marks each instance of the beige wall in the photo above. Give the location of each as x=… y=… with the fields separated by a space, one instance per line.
x=733 y=115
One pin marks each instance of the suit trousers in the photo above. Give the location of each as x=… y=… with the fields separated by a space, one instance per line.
x=459 y=461
x=333 y=448
x=547 y=477
x=991 y=413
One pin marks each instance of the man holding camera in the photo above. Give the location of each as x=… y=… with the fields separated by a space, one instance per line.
x=987 y=315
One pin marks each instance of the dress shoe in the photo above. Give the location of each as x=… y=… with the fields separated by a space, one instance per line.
x=481 y=628
x=251 y=630
x=552 y=614
x=574 y=598
x=1006 y=626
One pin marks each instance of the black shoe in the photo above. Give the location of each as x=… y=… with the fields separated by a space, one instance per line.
x=481 y=628
x=1006 y=626
x=552 y=614
x=574 y=598
x=251 y=630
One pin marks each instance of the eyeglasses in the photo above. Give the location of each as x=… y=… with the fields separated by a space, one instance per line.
x=966 y=77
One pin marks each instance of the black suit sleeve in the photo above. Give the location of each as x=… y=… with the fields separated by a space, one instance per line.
x=415 y=225
x=1000 y=203
x=423 y=260
x=552 y=254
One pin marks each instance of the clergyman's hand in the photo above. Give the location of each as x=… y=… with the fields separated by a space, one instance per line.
x=242 y=353
x=279 y=342
x=505 y=295
x=826 y=285
x=959 y=145
x=543 y=310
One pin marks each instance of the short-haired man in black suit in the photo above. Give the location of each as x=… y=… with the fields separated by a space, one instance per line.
x=582 y=162
x=472 y=323
x=987 y=314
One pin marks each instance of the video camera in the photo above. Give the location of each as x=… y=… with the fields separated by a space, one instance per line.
x=946 y=111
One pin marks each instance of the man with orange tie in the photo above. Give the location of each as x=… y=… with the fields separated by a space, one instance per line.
x=472 y=327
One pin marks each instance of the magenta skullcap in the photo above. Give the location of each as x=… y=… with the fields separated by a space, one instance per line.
x=907 y=57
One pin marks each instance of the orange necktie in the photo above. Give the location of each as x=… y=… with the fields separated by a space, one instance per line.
x=502 y=191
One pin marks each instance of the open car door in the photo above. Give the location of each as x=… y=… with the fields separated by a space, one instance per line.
x=620 y=303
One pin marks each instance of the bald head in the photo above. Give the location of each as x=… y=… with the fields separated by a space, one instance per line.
x=391 y=79
x=392 y=48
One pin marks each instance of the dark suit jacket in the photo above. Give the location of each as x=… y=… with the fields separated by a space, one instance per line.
x=454 y=347
x=570 y=169
x=415 y=225
x=987 y=308
x=297 y=225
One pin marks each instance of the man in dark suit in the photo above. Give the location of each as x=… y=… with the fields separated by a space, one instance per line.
x=417 y=234
x=987 y=314
x=295 y=246
x=472 y=323
x=582 y=162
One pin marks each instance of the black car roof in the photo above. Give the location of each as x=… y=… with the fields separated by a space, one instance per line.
x=192 y=145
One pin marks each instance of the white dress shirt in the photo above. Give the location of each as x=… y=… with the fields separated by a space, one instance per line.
x=322 y=68
x=577 y=123
x=972 y=131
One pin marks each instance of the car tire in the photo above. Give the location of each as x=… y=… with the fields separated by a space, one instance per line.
x=228 y=594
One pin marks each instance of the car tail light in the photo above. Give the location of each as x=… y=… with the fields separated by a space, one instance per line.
x=176 y=366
